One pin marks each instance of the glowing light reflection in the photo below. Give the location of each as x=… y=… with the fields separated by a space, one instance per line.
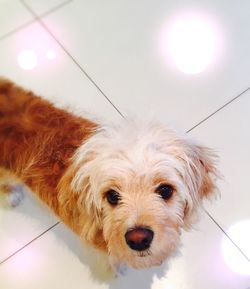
x=51 y=54
x=240 y=234
x=190 y=40
x=26 y=263
x=27 y=59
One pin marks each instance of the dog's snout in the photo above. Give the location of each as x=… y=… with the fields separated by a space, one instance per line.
x=139 y=239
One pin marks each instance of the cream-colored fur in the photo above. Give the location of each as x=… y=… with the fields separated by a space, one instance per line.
x=134 y=159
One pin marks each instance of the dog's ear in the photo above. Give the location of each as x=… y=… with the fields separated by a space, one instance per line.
x=200 y=177
x=76 y=197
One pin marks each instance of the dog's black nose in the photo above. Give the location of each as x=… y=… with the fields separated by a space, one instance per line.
x=139 y=238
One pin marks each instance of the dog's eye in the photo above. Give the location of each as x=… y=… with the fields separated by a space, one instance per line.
x=165 y=191
x=113 y=197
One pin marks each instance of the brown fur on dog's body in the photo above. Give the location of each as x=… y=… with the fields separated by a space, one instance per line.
x=74 y=165
x=37 y=142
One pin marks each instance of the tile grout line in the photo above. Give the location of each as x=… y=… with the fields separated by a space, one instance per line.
x=70 y=56
x=219 y=226
x=26 y=245
x=53 y=9
x=195 y=126
x=38 y=18
x=24 y=25
x=219 y=109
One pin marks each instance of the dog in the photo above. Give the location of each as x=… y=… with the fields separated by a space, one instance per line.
x=128 y=189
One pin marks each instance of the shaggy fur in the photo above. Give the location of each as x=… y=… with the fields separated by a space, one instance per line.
x=71 y=162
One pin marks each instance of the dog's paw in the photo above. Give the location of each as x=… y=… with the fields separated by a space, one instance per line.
x=119 y=269
x=15 y=195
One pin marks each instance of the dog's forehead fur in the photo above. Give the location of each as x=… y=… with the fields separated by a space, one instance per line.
x=131 y=153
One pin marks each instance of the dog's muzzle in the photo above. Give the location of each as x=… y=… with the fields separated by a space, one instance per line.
x=139 y=238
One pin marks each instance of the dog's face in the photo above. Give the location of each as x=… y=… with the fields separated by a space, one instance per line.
x=143 y=186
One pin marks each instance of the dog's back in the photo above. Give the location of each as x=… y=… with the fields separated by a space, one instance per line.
x=36 y=138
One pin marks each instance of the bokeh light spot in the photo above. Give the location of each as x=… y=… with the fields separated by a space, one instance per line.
x=27 y=59
x=190 y=41
x=51 y=54
x=234 y=259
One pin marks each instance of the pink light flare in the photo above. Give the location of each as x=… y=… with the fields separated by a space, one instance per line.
x=27 y=59
x=191 y=41
x=233 y=258
x=51 y=54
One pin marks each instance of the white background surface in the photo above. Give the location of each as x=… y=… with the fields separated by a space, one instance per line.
x=108 y=63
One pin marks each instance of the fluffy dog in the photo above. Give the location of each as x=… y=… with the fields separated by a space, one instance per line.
x=127 y=189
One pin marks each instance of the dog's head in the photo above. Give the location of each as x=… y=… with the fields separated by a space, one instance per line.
x=141 y=186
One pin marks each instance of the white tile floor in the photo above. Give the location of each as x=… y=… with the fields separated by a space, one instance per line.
x=108 y=63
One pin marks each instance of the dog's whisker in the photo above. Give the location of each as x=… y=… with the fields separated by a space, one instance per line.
x=144 y=253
